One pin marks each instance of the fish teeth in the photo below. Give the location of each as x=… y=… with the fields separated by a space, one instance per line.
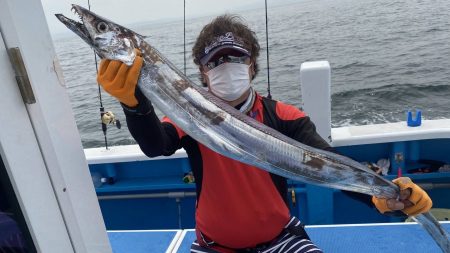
x=75 y=11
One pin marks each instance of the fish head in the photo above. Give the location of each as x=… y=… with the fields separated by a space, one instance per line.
x=108 y=39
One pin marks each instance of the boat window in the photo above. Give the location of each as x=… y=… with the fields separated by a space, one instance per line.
x=14 y=234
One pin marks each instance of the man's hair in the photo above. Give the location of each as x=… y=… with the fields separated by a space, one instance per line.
x=221 y=25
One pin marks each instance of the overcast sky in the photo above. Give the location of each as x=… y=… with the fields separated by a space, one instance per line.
x=133 y=11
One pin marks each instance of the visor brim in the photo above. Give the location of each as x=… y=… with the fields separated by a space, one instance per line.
x=218 y=49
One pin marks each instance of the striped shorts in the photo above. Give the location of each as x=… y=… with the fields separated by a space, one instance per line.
x=293 y=239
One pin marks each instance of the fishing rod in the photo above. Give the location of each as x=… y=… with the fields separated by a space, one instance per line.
x=105 y=117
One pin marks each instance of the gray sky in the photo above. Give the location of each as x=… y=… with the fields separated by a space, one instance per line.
x=133 y=11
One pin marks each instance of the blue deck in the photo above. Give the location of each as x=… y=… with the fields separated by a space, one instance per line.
x=143 y=241
x=394 y=237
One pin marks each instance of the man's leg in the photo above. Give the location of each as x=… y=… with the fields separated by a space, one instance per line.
x=199 y=248
x=293 y=239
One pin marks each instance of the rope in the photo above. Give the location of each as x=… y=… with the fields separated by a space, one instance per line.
x=267 y=49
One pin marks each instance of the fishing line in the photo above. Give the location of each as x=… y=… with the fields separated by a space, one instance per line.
x=267 y=50
x=102 y=109
x=184 y=35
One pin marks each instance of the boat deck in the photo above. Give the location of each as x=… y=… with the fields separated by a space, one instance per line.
x=382 y=237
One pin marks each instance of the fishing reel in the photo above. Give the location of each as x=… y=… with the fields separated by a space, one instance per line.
x=109 y=118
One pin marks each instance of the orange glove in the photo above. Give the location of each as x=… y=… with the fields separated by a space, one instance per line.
x=413 y=200
x=120 y=80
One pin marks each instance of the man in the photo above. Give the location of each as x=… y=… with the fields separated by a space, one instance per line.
x=239 y=208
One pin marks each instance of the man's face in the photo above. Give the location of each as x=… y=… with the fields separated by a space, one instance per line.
x=228 y=75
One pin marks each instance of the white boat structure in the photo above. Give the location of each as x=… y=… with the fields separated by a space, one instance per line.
x=47 y=194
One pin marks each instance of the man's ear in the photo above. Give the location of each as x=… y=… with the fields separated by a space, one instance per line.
x=203 y=77
x=253 y=70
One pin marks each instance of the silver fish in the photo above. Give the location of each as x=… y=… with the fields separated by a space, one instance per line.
x=224 y=129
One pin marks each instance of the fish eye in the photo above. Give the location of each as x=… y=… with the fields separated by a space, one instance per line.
x=102 y=27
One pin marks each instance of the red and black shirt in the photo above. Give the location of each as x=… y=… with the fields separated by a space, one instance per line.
x=238 y=205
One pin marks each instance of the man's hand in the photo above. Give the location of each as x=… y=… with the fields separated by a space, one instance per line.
x=120 y=80
x=413 y=200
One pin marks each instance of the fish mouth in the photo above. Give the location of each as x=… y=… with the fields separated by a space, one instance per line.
x=77 y=27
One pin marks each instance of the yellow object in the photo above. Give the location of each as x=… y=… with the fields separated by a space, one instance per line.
x=120 y=80
x=420 y=200
x=294 y=201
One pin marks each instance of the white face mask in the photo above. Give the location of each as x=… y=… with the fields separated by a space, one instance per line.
x=229 y=81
